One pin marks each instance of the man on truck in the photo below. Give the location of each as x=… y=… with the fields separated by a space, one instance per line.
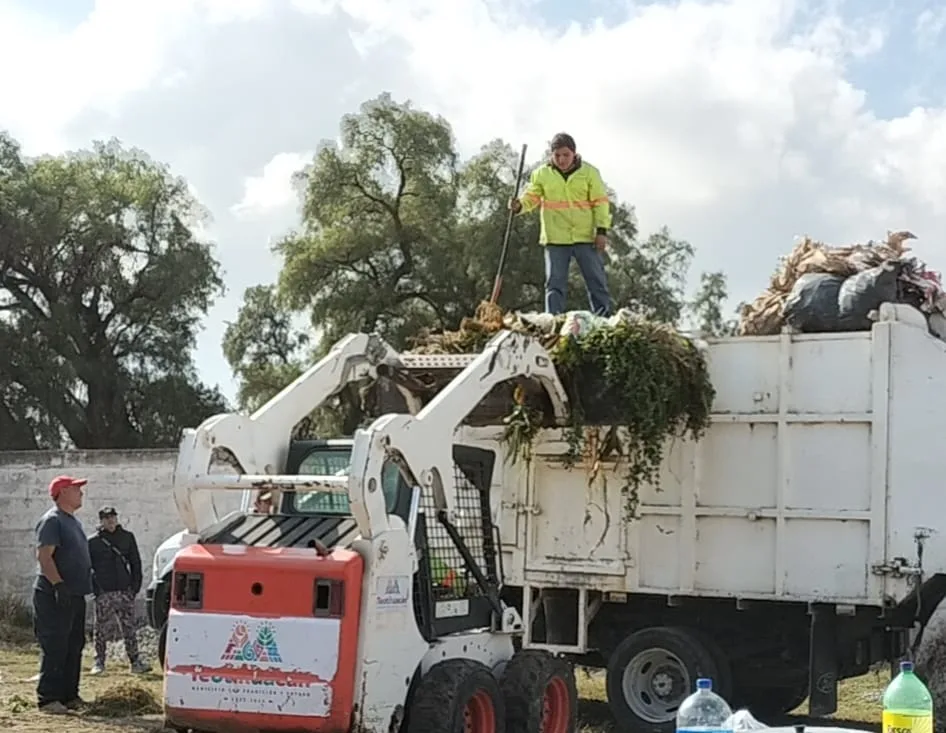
x=575 y=217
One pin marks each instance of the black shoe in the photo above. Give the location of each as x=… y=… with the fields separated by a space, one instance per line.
x=54 y=708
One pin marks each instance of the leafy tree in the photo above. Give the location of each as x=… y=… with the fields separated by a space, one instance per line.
x=103 y=280
x=262 y=347
x=399 y=235
x=707 y=306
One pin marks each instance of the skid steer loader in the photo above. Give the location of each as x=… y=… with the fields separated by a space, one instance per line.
x=381 y=617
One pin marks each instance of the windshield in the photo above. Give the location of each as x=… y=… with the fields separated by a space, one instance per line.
x=336 y=462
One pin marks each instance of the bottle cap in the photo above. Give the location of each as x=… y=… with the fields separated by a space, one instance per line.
x=704 y=683
x=906 y=666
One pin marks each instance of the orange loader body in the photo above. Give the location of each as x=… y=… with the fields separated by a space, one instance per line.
x=263 y=639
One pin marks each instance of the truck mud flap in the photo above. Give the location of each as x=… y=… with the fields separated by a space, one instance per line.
x=823 y=661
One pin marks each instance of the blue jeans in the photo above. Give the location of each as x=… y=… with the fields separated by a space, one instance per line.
x=558 y=257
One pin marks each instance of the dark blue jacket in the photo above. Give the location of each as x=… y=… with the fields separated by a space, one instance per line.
x=116 y=562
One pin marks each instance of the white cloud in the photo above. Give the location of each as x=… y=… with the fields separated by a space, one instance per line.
x=273 y=190
x=929 y=27
x=736 y=122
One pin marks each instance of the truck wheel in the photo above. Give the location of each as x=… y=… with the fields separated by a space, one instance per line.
x=540 y=694
x=457 y=696
x=723 y=681
x=651 y=672
x=763 y=702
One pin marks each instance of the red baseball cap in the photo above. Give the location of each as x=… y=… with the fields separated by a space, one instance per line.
x=64 y=482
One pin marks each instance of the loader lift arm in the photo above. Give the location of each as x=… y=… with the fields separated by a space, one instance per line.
x=424 y=442
x=259 y=442
x=423 y=445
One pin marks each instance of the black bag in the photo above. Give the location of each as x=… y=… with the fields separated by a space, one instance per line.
x=812 y=306
x=864 y=292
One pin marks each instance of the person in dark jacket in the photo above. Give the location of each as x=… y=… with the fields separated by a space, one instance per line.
x=116 y=568
x=63 y=580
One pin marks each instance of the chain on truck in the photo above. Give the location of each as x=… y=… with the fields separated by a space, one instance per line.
x=415 y=578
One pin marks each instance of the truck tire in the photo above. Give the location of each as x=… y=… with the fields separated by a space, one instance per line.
x=540 y=694
x=651 y=672
x=723 y=681
x=457 y=696
x=765 y=702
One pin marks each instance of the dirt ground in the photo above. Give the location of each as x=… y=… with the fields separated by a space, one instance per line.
x=860 y=700
x=18 y=697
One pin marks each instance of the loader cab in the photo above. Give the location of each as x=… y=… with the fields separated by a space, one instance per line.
x=333 y=458
x=297 y=521
x=448 y=598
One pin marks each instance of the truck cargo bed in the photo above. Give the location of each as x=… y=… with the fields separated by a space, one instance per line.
x=818 y=479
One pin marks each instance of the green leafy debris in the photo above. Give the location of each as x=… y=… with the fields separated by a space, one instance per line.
x=631 y=386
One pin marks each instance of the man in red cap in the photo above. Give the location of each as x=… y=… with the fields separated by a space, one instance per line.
x=63 y=580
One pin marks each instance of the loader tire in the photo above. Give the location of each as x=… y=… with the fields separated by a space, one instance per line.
x=651 y=672
x=457 y=696
x=540 y=694
x=162 y=645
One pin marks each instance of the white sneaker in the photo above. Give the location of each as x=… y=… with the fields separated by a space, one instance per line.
x=97 y=669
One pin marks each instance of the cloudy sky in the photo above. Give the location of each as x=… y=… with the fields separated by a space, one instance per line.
x=739 y=124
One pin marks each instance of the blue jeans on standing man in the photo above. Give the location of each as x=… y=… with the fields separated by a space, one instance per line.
x=558 y=257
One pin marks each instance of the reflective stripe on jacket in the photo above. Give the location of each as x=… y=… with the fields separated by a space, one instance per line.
x=573 y=206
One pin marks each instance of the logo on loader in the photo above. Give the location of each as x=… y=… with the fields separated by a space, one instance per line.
x=262 y=649
x=392 y=591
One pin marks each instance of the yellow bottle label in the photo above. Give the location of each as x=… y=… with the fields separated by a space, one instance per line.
x=898 y=723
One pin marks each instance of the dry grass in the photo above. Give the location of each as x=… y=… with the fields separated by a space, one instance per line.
x=112 y=693
x=16 y=622
x=859 y=705
x=116 y=698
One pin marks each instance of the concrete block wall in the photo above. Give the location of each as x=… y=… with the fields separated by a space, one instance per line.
x=136 y=482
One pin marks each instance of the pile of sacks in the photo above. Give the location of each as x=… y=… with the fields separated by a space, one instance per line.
x=820 y=289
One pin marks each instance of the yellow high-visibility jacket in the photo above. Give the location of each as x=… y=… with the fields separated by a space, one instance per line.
x=573 y=209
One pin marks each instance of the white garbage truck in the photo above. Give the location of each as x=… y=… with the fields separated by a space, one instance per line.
x=798 y=543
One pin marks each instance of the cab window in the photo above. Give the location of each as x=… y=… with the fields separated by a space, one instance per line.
x=335 y=462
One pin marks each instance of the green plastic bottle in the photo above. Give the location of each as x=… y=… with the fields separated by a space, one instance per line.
x=908 y=705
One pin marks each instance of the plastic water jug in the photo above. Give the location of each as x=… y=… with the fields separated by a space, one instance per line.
x=908 y=705
x=704 y=711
